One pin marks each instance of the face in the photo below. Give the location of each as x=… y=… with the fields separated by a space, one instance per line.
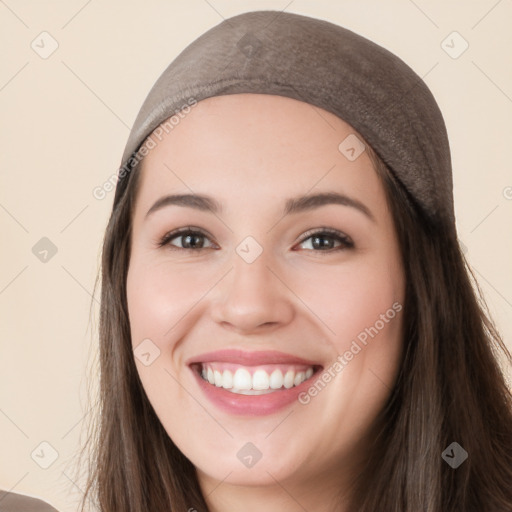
x=264 y=258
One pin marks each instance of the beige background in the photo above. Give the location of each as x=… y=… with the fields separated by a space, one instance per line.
x=66 y=118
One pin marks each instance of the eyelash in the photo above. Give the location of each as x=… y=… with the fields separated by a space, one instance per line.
x=346 y=242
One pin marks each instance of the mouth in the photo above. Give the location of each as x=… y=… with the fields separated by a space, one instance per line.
x=252 y=383
x=254 y=380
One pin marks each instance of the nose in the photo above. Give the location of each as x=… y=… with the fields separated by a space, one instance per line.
x=252 y=298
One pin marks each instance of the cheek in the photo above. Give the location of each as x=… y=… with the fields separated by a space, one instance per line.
x=348 y=299
x=361 y=307
x=163 y=304
x=158 y=296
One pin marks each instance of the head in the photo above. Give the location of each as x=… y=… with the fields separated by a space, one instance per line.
x=316 y=283
x=360 y=287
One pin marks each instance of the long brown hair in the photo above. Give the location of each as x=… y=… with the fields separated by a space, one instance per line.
x=450 y=386
x=449 y=389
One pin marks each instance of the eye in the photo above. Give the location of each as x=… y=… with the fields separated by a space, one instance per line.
x=326 y=240
x=194 y=239
x=191 y=239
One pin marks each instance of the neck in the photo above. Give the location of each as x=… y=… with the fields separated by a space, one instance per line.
x=323 y=492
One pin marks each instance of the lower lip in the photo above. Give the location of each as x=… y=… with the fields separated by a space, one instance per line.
x=251 y=405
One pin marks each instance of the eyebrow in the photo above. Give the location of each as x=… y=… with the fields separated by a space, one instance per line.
x=293 y=205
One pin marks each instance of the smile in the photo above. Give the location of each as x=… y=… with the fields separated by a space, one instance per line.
x=252 y=383
x=255 y=380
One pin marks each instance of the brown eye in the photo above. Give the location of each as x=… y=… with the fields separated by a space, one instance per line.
x=186 y=239
x=192 y=241
x=326 y=240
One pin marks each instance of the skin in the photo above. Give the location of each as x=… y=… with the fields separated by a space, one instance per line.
x=251 y=152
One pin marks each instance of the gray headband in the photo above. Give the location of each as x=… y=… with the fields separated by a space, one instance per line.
x=323 y=64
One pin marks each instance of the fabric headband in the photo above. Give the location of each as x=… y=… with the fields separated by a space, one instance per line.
x=325 y=65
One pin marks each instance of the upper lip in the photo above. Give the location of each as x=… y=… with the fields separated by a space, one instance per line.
x=254 y=358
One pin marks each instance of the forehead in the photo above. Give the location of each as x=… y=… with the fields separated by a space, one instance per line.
x=257 y=146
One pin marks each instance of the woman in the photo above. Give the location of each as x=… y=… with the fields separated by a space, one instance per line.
x=287 y=320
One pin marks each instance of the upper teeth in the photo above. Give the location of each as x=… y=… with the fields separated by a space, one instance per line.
x=254 y=380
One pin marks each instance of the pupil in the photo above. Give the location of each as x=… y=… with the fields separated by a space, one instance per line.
x=317 y=242
x=192 y=241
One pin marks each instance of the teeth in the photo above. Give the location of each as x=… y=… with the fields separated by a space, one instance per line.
x=227 y=379
x=260 y=380
x=209 y=376
x=289 y=378
x=276 y=379
x=299 y=377
x=217 y=377
x=241 y=381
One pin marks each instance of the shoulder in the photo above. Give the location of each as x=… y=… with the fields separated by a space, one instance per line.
x=13 y=502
